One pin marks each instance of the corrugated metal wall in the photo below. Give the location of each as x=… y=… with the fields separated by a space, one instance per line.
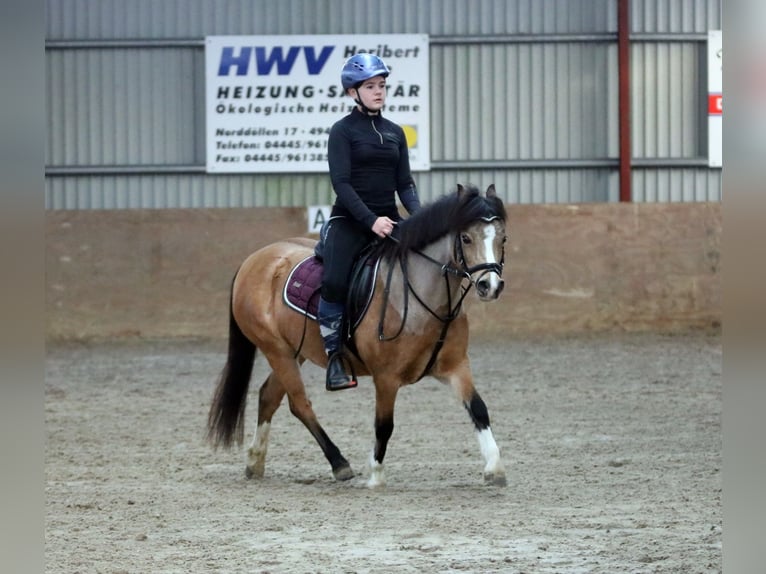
x=523 y=94
x=184 y=19
x=125 y=106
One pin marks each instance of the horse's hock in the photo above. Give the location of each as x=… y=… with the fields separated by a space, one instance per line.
x=569 y=269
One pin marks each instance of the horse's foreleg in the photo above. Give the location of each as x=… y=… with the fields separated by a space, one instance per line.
x=494 y=473
x=269 y=399
x=385 y=399
x=462 y=382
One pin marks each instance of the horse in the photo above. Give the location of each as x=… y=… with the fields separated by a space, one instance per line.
x=415 y=314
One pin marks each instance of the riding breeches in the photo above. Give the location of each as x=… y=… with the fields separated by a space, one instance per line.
x=344 y=239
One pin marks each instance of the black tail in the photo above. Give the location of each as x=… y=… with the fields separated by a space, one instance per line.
x=226 y=419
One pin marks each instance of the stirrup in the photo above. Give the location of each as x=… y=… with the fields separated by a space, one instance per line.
x=336 y=378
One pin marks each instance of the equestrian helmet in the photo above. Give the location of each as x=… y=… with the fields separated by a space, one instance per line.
x=361 y=67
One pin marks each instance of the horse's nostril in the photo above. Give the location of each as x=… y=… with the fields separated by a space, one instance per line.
x=483 y=285
x=500 y=287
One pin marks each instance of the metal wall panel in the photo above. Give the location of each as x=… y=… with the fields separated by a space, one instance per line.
x=523 y=101
x=125 y=106
x=153 y=19
x=530 y=186
x=668 y=105
x=667 y=119
x=187 y=191
x=676 y=185
x=501 y=100
x=675 y=16
x=514 y=186
x=194 y=191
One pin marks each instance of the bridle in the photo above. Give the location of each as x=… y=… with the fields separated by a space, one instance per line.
x=456 y=267
x=459 y=257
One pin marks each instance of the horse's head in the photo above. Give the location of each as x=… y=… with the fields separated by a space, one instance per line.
x=475 y=225
x=480 y=245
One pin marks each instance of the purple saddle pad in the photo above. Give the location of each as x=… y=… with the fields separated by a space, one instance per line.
x=302 y=287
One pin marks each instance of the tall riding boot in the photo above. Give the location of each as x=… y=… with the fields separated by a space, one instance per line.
x=330 y=320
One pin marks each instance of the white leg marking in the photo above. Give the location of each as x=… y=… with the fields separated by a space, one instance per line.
x=256 y=454
x=490 y=452
x=377 y=476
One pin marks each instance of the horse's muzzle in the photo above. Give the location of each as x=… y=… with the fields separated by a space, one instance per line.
x=489 y=287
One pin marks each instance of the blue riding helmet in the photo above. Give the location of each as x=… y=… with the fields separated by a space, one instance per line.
x=361 y=67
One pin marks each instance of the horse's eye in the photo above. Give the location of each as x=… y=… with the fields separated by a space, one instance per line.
x=465 y=238
x=505 y=238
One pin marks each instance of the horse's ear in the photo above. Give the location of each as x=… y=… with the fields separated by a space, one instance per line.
x=491 y=190
x=460 y=190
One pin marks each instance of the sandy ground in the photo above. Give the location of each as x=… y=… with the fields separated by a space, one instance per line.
x=612 y=447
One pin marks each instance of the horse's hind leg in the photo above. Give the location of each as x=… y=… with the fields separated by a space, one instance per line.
x=269 y=398
x=300 y=406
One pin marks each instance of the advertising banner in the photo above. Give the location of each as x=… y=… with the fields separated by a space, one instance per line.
x=270 y=100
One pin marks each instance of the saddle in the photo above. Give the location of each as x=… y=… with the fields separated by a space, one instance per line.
x=301 y=291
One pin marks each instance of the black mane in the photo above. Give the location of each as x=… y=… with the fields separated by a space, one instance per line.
x=451 y=212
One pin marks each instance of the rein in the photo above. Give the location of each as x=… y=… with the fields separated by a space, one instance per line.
x=447 y=269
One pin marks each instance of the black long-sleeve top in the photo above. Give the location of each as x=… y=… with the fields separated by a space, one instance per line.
x=369 y=162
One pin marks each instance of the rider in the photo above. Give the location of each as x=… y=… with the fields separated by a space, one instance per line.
x=369 y=162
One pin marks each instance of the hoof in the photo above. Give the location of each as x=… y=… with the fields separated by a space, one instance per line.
x=256 y=472
x=343 y=473
x=495 y=479
x=376 y=484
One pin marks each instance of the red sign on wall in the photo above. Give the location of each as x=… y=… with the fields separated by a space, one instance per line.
x=715 y=104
